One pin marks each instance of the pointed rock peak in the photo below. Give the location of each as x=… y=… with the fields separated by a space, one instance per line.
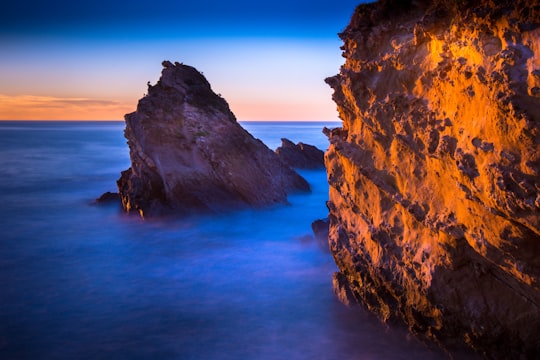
x=189 y=154
x=179 y=73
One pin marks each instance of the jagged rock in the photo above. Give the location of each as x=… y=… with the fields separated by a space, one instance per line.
x=435 y=176
x=189 y=154
x=300 y=156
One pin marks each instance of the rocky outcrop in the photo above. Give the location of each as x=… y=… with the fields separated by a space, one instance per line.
x=300 y=156
x=435 y=175
x=189 y=154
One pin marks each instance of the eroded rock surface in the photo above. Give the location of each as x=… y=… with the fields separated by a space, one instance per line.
x=189 y=154
x=300 y=156
x=435 y=175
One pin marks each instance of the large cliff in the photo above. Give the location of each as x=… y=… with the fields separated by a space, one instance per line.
x=189 y=154
x=435 y=175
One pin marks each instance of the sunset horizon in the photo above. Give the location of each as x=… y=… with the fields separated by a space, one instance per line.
x=79 y=63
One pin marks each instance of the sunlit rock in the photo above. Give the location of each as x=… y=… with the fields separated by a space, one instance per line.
x=435 y=176
x=189 y=154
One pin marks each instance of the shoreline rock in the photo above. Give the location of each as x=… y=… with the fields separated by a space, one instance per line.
x=189 y=154
x=435 y=175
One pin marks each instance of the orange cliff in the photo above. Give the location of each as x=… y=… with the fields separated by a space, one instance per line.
x=435 y=176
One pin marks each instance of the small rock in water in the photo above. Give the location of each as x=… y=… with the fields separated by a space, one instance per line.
x=320 y=230
x=300 y=156
x=108 y=198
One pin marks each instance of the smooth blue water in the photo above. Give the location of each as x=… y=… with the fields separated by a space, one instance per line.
x=80 y=281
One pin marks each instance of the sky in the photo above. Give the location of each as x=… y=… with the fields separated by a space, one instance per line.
x=91 y=60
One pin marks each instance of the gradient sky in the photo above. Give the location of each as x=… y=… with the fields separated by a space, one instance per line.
x=64 y=59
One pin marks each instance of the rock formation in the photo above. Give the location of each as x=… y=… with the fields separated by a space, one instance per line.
x=435 y=175
x=189 y=154
x=300 y=156
x=320 y=230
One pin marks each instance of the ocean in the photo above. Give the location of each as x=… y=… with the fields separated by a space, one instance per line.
x=82 y=281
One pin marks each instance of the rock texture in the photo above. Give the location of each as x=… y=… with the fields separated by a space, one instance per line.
x=300 y=156
x=189 y=154
x=435 y=175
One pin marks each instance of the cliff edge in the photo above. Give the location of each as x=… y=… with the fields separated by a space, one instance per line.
x=435 y=175
x=189 y=154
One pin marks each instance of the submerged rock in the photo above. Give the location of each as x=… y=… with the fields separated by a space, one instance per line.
x=300 y=156
x=189 y=154
x=435 y=176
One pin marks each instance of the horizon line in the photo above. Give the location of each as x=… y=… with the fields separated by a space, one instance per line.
x=118 y=120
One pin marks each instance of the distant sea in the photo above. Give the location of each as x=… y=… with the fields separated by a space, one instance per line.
x=82 y=281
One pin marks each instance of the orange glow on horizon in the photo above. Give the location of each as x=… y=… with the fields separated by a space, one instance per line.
x=31 y=107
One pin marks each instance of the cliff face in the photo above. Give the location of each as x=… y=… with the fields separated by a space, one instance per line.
x=435 y=175
x=189 y=154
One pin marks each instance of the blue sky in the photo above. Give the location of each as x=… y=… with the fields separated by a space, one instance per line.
x=92 y=60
